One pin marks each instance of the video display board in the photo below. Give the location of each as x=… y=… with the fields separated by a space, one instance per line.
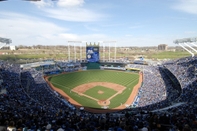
x=92 y=54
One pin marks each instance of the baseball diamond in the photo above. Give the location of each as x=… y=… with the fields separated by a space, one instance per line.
x=98 y=89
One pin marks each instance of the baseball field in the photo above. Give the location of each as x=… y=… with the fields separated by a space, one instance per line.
x=98 y=89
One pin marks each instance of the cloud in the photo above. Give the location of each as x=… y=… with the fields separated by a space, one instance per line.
x=30 y=26
x=43 y=3
x=69 y=36
x=128 y=35
x=68 y=10
x=144 y=40
x=74 y=14
x=136 y=27
x=189 y=6
x=29 y=30
x=70 y=3
x=87 y=37
x=112 y=25
x=190 y=32
x=91 y=28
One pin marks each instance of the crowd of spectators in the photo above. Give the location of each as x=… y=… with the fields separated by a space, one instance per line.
x=157 y=90
x=29 y=103
x=68 y=66
x=185 y=71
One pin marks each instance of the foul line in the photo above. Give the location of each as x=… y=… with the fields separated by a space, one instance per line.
x=60 y=85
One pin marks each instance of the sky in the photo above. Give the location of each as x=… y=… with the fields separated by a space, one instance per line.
x=121 y=22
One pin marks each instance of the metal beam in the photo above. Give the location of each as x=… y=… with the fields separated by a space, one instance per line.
x=187 y=42
x=5 y=40
x=187 y=50
x=190 y=47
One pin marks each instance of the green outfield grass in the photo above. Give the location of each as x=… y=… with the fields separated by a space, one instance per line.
x=170 y=55
x=31 y=55
x=107 y=92
x=67 y=82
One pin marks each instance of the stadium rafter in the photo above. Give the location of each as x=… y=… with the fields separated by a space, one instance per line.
x=187 y=44
x=4 y=41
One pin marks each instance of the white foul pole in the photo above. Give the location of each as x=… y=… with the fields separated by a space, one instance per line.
x=75 y=52
x=68 y=52
x=109 y=51
x=115 y=53
x=82 y=49
x=80 y=53
x=104 y=51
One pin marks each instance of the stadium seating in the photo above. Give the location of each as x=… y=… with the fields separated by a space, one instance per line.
x=29 y=103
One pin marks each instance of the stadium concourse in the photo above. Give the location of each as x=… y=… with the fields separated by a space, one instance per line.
x=29 y=103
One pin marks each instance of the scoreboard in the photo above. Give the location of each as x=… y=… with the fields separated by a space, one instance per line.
x=92 y=53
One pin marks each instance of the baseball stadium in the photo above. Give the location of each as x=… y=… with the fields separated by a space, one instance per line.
x=101 y=86
x=93 y=85
x=98 y=84
x=97 y=65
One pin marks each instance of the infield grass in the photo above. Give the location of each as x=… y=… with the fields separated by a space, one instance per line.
x=106 y=92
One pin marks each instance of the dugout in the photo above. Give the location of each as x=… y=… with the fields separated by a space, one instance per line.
x=139 y=62
x=136 y=70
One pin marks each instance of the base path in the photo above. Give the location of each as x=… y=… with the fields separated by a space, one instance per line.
x=84 y=87
x=105 y=102
x=81 y=89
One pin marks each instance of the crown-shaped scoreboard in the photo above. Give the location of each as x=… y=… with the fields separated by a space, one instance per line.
x=92 y=52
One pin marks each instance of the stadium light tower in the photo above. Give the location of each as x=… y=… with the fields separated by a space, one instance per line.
x=188 y=42
x=74 y=52
x=109 y=48
x=4 y=41
x=81 y=49
x=103 y=47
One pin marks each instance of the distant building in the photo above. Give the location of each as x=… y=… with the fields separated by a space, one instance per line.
x=162 y=47
x=8 y=47
x=12 y=47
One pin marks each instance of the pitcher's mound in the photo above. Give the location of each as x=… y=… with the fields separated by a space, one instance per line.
x=100 y=92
